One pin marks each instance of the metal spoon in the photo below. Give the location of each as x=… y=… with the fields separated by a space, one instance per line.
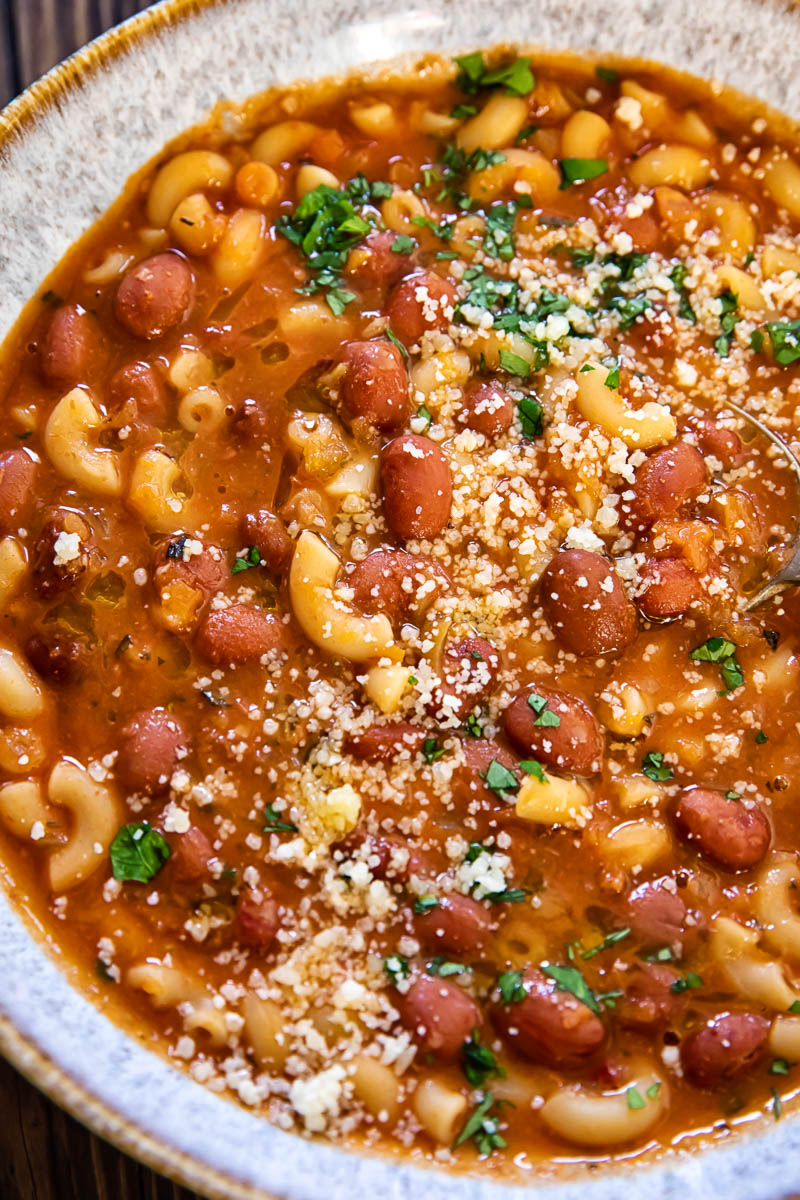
x=789 y=574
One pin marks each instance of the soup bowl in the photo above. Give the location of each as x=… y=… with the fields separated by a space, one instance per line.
x=67 y=147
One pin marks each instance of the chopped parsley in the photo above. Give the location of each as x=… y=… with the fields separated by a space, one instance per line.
x=516 y=77
x=499 y=779
x=729 y=318
x=473 y=727
x=722 y=652
x=443 y=967
x=325 y=227
x=663 y=955
x=678 y=276
x=498 y=241
x=463 y=110
x=478 y=1062
x=482 y=1129
x=655 y=768
x=609 y=940
x=761 y=737
x=688 y=984
x=607 y=74
x=569 y=979
x=531 y=417
x=425 y=414
x=732 y=796
x=634 y=1098
x=395 y=340
x=777 y=1104
x=138 y=852
x=396 y=967
x=629 y=309
x=785 y=339
x=273 y=822
x=442 y=230
x=611 y=380
x=653 y=1090
x=431 y=750
x=579 y=170
x=544 y=715
x=779 y=1066
x=794 y=1007
x=403 y=244
x=251 y=559
x=531 y=767
x=425 y=904
x=514 y=364
x=509 y=985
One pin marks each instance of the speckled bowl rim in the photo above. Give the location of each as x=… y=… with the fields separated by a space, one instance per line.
x=752 y=1168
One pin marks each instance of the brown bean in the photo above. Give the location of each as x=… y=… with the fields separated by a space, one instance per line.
x=17 y=476
x=670 y=587
x=240 y=634
x=457 y=925
x=468 y=675
x=575 y=744
x=666 y=481
x=57 y=654
x=719 y=442
x=52 y=577
x=70 y=346
x=374 y=387
x=549 y=1026
x=151 y=744
x=267 y=533
x=729 y=1045
x=207 y=570
x=376 y=264
x=417 y=487
x=191 y=857
x=487 y=409
x=388 y=856
x=383 y=743
x=648 y=1002
x=397 y=583
x=585 y=604
x=421 y=302
x=732 y=833
x=139 y=385
x=155 y=295
x=257 y=919
x=656 y=914
x=441 y=1015
x=252 y=420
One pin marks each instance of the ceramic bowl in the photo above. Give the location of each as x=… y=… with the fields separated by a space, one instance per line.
x=67 y=147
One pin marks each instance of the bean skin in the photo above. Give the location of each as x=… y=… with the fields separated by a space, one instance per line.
x=457 y=925
x=70 y=346
x=51 y=578
x=648 y=1002
x=257 y=919
x=240 y=634
x=18 y=473
x=666 y=481
x=374 y=387
x=670 y=588
x=441 y=1015
x=730 y=833
x=421 y=302
x=575 y=745
x=656 y=914
x=376 y=264
x=150 y=744
x=728 y=1046
x=487 y=409
x=155 y=295
x=191 y=857
x=585 y=604
x=468 y=675
x=267 y=532
x=380 y=583
x=549 y=1027
x=383 y=743
x=719 y=442
x=139 y=385
x=417 y=487
x=57 y=654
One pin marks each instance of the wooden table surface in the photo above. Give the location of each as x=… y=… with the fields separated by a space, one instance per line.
x=44 y=1154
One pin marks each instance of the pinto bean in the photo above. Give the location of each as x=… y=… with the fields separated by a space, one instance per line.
x=575 y=744
x=719 y=442
x=139 y=385
x=155 y=295
x=57 y=654
x=729 y=1045
x=17 y=476
x=549 y=1026
x=648 y=1002
x=670 y=587
x=267 y=533
x=487 y=409
x=397 y=583
x=421 y=302
x=457 y=925
x=389 y=857
x=383 y=743
x=666 y=481
x=240 y=634
x=585 y=604
x=191 y=857
x=257 y=919
x=469 y=672
x=656 y=914
x=734 y=834
x=376 y=264
x=151 y=744
x=70 y=345
x=441 y=1015
x=54 y=571
x=417 y=487
x=374 y=387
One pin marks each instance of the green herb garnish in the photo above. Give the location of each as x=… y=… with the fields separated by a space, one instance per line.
x=517 y=77
x=579 y=170
x=722 y=652
x=510 y=987
x=482 y=1129
x=655 y=768
x=251 y=559
x=396 y=967
x=531 y=767
x=609 y=940
x=688 y=984
x=569 y=979
x=678 y=276
x=138 y=852
x=514 y=364
x=431 y=750
x=425 y=904
x=274 y=823
x=544 y=715
x=729 y=318
x=634 y=1098
x=478 y=1062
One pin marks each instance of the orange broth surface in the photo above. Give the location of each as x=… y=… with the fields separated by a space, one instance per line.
x=384 y=736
